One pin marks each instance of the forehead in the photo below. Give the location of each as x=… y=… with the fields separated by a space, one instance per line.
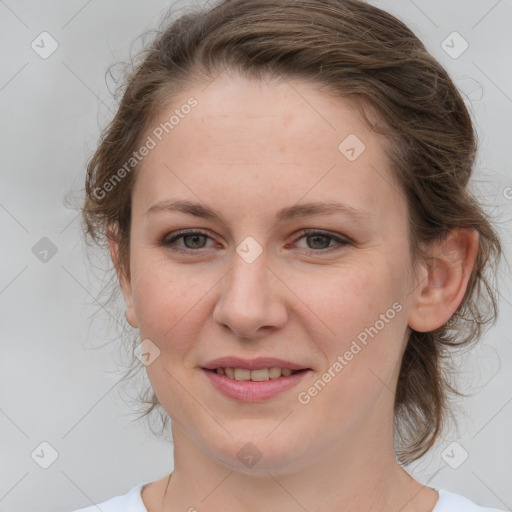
x=245 y=140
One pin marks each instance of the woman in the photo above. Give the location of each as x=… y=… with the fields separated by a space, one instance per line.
x=284 y=194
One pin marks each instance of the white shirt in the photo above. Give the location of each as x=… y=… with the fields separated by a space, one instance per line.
x=132 y=502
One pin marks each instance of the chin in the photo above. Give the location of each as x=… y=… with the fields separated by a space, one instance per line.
x=258 y=453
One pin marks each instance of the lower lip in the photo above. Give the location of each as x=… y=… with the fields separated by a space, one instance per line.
x=251 y=391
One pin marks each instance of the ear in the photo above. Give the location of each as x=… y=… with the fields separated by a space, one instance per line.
x=124 y=280
x=444 y=283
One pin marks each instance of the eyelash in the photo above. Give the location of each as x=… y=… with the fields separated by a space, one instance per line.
x=301 y=234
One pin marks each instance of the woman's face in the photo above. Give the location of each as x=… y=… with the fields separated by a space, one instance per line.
x=333 y=300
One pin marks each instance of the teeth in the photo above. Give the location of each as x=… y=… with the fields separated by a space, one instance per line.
x=274 y=373
x=255 y=375
x=242 y=374
x=259 y=375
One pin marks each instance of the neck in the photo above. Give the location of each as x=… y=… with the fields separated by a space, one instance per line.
x=356 y=475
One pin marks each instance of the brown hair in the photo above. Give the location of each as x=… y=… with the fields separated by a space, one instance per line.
x=355 y=51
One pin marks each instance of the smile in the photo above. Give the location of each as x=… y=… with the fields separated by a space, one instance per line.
x=256 y=375
x=254 y=385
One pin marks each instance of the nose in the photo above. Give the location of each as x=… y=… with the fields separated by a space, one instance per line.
x=251 y=302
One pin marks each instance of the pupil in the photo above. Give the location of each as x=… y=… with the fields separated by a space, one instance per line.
x=195 y=237
x=320 y=237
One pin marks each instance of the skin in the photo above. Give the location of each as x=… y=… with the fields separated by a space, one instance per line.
x=247 y=150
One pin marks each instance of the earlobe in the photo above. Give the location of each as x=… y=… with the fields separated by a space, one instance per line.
x=124 y=280
x=444 y=283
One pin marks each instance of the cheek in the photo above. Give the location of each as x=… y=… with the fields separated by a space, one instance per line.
x=363 y=307
x=350 y=297
x=364 y=310
x=167 y=300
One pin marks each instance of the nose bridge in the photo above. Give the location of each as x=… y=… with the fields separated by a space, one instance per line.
x=250 y=276
x=248 y=298
x=248 y=280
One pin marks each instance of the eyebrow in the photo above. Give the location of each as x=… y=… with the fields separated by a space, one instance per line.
x=288 y=213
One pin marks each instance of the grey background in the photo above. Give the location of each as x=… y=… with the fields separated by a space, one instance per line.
x=59 y=362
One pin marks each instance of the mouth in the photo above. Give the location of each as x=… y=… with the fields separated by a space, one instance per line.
x=259 y=375
x=253 y=380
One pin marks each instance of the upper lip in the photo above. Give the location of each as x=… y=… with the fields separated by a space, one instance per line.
x=252 y=364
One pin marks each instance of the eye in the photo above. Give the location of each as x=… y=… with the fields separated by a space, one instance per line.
x=320 y=241
x=193 y=240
